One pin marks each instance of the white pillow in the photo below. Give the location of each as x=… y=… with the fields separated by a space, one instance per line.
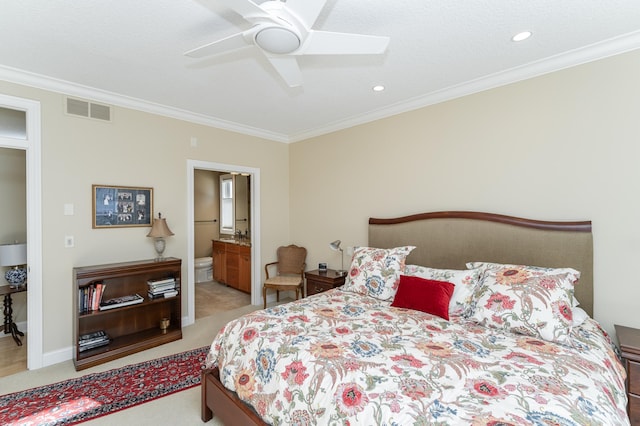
x=579 y=316
x=465 y=281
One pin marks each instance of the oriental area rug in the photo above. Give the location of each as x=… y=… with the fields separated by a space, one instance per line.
x=98 y=394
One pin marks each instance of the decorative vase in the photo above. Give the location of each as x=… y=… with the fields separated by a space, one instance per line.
x=16 y=276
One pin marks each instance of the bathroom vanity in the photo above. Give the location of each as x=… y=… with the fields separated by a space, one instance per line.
x=232 y=263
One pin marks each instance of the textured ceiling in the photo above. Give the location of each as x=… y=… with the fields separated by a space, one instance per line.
x=132 y=54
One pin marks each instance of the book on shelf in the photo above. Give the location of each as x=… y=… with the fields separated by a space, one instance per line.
x=82 y=348
x=92 y=340
x=159 y=281
x=162 y=287
x=92 y=336
x=90 y=296
x=119 y=302
x=162 y=295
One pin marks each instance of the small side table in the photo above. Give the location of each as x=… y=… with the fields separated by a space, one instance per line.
x=629 y=339
x=319 y=281
x=10 y=326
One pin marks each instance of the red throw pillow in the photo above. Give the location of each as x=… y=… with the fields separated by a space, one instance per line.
x=424 y=295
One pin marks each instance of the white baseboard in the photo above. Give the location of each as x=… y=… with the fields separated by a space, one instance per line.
x=58 y=356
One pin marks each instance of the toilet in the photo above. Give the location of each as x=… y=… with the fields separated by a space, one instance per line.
x=204 y=269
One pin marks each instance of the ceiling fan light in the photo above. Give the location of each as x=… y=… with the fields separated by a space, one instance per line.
x=278 y=40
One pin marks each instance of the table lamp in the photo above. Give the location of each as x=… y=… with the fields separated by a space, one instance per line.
x=14 y=255
x=159 y=231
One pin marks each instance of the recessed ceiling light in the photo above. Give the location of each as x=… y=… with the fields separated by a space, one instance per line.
x=378 y=88
x=521 y=36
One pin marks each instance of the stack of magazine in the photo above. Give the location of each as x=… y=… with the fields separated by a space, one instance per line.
x=92 y=340
x=121 y=301
x=162 y=287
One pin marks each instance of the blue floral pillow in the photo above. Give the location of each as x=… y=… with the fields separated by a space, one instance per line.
x=376 y=272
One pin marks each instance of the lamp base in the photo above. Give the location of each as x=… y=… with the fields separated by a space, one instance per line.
x=341 y=273
x=159 y=245
x=16 y=276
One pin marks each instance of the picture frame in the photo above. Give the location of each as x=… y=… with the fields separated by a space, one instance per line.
x=121 y=206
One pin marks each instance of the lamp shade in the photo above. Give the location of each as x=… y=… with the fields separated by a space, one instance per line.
x=335 y=245
x=159 y=229
x=13 y=254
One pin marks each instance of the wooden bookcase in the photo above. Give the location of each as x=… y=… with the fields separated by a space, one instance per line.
x=131 y=328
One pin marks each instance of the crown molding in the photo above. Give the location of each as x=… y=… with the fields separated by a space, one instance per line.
x=27 y=78
x=593 y=52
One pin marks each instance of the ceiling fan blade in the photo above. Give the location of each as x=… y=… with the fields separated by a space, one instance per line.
x=306 y=10
x=245 y=8
x=234 y=42
x=287 y=67
x=330 y=43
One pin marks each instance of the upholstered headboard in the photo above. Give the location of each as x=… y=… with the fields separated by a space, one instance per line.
x=451 y=239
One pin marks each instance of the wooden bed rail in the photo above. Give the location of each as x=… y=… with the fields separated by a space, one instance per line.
x=580 y=226
x=225 y=404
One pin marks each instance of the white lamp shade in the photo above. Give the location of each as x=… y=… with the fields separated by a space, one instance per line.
x=13 y=254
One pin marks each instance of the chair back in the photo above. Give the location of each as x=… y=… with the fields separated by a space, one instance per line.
x=291 y=259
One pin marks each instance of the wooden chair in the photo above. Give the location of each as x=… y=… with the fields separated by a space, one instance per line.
x=289 y=274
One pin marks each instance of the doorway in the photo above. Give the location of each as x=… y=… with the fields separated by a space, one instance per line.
x=193 y=167
x=30 y=142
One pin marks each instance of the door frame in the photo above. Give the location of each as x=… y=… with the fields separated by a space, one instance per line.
x=32 y=147
x=192 y=166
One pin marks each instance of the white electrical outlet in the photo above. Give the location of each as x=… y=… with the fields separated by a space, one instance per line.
x=68 y=241
x=349 y=251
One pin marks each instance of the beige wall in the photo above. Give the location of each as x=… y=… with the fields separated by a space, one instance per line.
x=135 y=149
x=564 y=146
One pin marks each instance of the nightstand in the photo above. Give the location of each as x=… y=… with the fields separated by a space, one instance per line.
x=629 y=339
x=319 y=281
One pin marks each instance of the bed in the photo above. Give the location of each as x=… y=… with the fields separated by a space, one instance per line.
x=445 y=318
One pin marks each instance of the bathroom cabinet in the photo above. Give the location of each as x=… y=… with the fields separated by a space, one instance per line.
x=232 y=264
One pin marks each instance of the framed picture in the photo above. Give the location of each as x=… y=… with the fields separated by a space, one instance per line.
x=121 y=206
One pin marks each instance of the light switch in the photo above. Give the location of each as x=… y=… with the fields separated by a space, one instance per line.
x=68 y=209
x=68 y=241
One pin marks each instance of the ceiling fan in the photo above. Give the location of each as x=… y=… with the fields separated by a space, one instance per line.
x=282 y=31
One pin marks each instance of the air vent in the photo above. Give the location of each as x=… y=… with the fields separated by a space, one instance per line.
x=88 y=109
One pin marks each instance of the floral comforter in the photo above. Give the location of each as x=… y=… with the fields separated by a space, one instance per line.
x=340 y=358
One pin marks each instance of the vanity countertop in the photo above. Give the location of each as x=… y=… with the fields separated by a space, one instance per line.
x=240 y=242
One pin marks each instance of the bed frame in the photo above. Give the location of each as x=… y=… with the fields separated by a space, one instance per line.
x=448 y=240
